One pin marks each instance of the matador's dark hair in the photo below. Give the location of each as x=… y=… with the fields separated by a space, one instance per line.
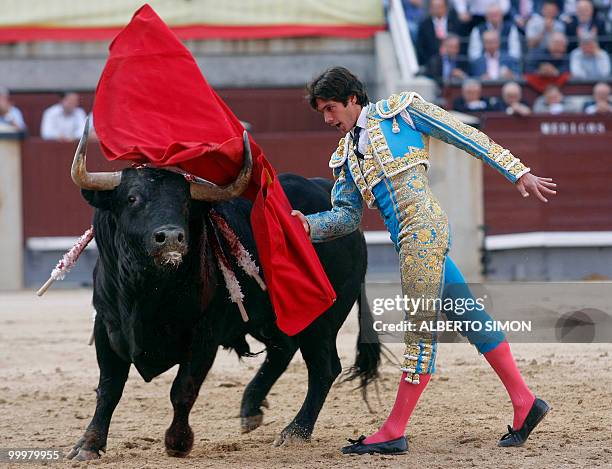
x=336 y=84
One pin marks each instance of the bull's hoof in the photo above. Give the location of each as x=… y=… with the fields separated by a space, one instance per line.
x=248 y=424
x=292 y=435
x=80 y=454
x=179 y=441
x=251 y=422
x=177 y=454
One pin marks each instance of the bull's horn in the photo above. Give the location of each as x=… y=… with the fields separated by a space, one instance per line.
x=208 y=191
x=91 y=181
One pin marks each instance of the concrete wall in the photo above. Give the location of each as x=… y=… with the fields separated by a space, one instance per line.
x=257 y=63
x=11 y=226
x=456 y=179
x=388 y=76
x=543 y=264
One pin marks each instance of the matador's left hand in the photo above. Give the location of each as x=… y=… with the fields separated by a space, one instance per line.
x=531 y=184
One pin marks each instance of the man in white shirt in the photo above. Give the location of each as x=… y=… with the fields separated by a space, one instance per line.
x=63 y=121
x=469 y=8
x=540 y=26
x=589 y=62
x=508 y=33
x=9 y=114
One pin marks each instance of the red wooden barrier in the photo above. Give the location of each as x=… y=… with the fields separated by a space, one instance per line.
x=575 y=150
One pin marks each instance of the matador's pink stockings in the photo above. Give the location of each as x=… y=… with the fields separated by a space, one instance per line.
x=407 y=397
x=502 y=361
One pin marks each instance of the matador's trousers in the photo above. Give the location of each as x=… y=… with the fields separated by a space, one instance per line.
x=419 y=229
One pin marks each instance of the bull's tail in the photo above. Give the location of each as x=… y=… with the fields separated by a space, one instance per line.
x=368 y=359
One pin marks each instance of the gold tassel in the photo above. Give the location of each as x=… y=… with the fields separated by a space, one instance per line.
x=395 y=128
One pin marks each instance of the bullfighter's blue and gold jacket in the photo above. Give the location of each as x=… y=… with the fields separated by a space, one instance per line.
x=395 y=145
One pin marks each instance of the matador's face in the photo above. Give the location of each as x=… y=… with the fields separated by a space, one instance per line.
x=342 y=117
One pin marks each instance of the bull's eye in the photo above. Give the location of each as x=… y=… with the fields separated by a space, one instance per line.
x=131 y=199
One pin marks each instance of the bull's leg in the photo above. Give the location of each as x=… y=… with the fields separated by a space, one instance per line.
x=185 y=389
x=278 y=356
x=324 y=366
x=113 y=375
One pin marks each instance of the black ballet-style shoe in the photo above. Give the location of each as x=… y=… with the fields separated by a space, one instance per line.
x=538 y=411
x=397 y=446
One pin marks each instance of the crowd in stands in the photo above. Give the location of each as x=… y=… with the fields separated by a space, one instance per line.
x=543 y=43
x=540 y=43
x=552 y=100
x=63 y=121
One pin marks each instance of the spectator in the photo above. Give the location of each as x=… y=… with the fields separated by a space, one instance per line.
x=9 y=114
x=493 y=64
x=471 y=99
x=414 y=12
x=508 y=32
x=554 y=61
x=583 y=22
x=541 y=26
x=65 y=120
x=602 y=103
x=448 y=65
x=567 y=9
x=475 y=11
x=434 y=29
x=512 y=100
x=521 y=11
x=551 y=102
x=589 y=62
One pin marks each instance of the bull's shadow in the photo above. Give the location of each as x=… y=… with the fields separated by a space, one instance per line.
x=161 y=299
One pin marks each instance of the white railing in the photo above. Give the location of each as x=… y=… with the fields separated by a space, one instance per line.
x=402 y=42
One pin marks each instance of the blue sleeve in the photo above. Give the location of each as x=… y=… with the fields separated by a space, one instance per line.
x=345 y=214
x=438 y=123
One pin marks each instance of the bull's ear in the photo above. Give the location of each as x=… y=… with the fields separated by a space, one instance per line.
x=98 y=199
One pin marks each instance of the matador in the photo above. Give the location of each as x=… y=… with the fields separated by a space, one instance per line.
x=383 y=160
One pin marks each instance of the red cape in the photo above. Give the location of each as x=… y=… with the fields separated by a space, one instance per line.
x=153 y=105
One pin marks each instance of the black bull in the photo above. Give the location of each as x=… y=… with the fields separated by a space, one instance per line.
x=155 y=313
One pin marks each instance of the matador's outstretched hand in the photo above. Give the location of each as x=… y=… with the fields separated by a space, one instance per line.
x=531 y=184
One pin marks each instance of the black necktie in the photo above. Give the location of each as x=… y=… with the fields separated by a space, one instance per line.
x=356 y=142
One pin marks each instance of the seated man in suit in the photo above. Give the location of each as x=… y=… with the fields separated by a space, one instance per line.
x=552 y=63
x=471 y=100
x=602 y=101
x=551 y=102
x=434 y=29
x=448 y=65
x=493 y=64
x=583 y=22
x=512 y=100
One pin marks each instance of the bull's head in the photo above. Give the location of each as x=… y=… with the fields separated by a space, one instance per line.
x=151 y=207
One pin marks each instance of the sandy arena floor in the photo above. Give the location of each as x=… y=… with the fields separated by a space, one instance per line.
x=48 y=375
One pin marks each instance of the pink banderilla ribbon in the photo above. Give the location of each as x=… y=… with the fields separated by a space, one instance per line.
x=67 y=262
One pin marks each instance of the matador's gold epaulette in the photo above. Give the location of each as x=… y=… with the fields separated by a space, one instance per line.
x=395 y=104
x=339 y=156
